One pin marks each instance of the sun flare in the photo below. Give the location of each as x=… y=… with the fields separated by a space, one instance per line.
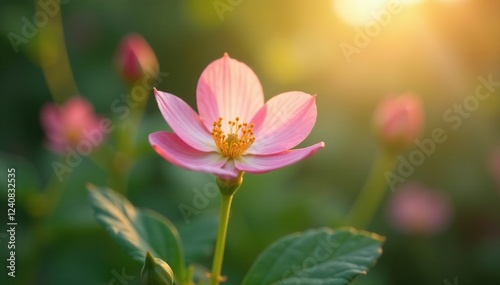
x=359 y=12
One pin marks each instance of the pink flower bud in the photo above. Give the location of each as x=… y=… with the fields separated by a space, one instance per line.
x=135 y=58
x=398 y=121
x=70 y=124
x=415 y=210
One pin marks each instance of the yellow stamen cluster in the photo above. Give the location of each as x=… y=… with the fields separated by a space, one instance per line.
x=237 y=141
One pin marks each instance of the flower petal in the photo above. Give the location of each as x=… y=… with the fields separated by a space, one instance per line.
x=77 y=113
x=228 y=89
x=51 y=122
x=284 y=122
x=175 y=150
x=50 y=119
x=264 y=163
x=184 y=121
x=229 y=166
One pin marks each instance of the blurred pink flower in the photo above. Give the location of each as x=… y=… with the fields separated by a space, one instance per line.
x=235 y=131
x=135 y=58
x=67 y=125
x=398 y=121
x=495 y=166
x=416 y=210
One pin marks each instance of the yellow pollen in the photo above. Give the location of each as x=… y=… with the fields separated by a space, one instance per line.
x=237 y=141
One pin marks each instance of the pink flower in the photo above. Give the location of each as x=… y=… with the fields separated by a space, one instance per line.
x=67 y=125
x=495 y=166
x=234 y=131
x=416 y=210
x=135 y=58
x=398 y=121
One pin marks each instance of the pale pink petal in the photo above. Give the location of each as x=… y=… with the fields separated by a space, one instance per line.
x=265 y=163
x=184 y=121
x=77 y=116
x=284 y=122
x=229 y=166
x=228 y=89
x=51 y=122
x=77 y=113
x=176 y=151
x=50 y=118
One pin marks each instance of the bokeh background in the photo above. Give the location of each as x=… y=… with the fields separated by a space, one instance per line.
x=436 y=49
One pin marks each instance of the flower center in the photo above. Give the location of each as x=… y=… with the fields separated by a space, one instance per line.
x=237 y=141
x=72 y=136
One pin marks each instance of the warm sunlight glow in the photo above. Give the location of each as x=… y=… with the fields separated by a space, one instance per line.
x=451 y=1
x=360 y=12
x=409 y=2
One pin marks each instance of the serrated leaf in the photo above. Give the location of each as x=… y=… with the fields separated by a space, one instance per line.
x=137 y=231
x=320 y=256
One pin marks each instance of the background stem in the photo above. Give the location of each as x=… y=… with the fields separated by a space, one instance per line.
x=372 y=193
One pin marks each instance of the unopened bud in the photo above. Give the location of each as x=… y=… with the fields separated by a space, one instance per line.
x=156 y=272
x=135 y=59
x=398 y=121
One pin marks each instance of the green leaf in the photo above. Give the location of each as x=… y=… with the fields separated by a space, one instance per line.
x=199 y=238
x=320 y=256
x=138 y=230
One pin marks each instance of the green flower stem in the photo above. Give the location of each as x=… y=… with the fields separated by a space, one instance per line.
x=121 y=164
x=115 y=163
x=119 y=171
x=130 y=126
x=373 y=191
x=188 y=275
x=221 y=238
x=53 y=58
